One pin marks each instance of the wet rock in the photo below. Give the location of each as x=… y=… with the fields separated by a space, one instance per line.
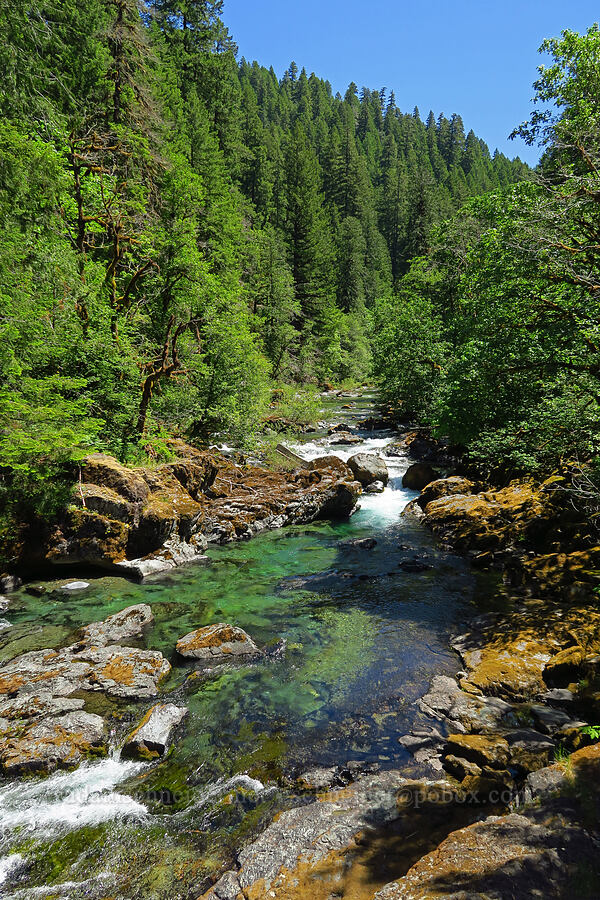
x=359 y=544
x=413 y=566
x=319 y=779
x=217 y=643
x=36 y=590
x=341 y=428
x=76 y=586
x=152 y=736
x=377 y=487
x=58 y=741
x=418 y=476
x=344 y=437
x=122 y=626
x=301 y=838
x=368 y=468
x=9 y=583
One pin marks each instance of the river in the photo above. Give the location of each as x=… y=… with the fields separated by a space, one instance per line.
x=363 y=638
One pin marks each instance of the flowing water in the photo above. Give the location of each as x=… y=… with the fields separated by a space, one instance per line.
x=362 y=640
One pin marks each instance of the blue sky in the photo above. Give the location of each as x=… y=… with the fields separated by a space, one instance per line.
x=473 y=57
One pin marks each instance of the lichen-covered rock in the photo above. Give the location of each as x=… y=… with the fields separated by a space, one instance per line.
x=217 y=644
x=510 y=856
x=368 y=468
x=42 y=723
x=153 y=735
x=122 y=626
x=143 y=521
x=418 y=476
x=59 y=741
x=446 y=487
x=481 y=749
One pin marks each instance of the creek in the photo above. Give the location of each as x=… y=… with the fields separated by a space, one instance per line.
x=363 y=637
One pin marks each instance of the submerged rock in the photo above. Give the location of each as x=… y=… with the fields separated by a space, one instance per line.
x=152 y=736
x=359 y=544
x=368 y=468
x=124 y=625
x=217 y=643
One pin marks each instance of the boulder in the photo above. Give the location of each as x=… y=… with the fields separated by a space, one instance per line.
x=445 y=487
x=478 y=748
x=368 y=468
x=377 y=487
x=152 y=736
x=418 y=476
x=58 y=741
x=122 y=626
x=344 y=437
x=217 y=644
x=340 y=429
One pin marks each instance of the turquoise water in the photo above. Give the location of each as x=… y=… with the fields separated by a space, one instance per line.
x=362 y=640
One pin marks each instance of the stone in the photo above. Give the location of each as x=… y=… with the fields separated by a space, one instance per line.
x=376 y=487
x=418 y=476
x=152 y=736
x=122 y=626
x=359 y=544
x=340 y=428
x=76 y=586
x=460 y=768
x=9 y=583
x=548 y=719
x=344 y=437
x=446 y=701
x=481 y=749
x=217 y=644
x=302 y=839
x=63 y=741
x=142 y=521
x=565 y=667
x=544 y=783
x=511 y=856
x=445 y=487
x=368 y=468
x=413 y=566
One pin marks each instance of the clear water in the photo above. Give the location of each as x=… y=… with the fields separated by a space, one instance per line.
x=363 y=639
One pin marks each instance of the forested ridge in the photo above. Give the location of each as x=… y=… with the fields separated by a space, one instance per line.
x=181 y=231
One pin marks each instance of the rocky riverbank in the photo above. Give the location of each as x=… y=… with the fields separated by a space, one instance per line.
x=142 y=521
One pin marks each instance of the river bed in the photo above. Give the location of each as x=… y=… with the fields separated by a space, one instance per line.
x=363 y=637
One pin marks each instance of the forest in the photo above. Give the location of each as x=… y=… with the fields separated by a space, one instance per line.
x=182 y=232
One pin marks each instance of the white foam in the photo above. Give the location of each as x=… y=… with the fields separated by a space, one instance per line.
x=380 y=509
x=68 y=800
x=8 y=863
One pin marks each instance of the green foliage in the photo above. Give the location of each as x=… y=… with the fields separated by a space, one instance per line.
x=177 y=229
x=512 y=284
